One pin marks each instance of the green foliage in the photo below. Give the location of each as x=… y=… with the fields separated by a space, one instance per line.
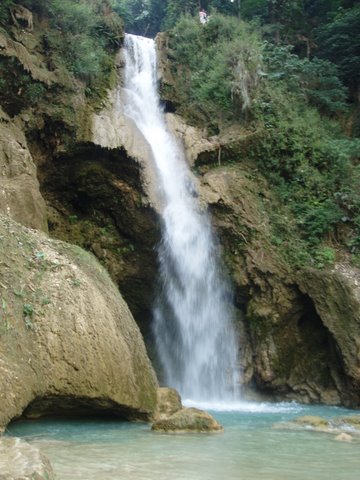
x=73 y=219
x=71 y=17
x=324 y=256
x=218 y=66
x=17 y=89
x=79 y=38
x=221 y=65
x=28 y=312
x=136 y=14
x=176 y=8
x=5 y=11
x=224 y=69
x=253 y=8
x=339 y=41
x=307 y=160
x=76 y=282
x=316 y=81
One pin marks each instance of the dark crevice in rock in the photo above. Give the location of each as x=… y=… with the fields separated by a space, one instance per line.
x=168 y=106
x=96 y=200
x=304 y=359
x=75 y=407
x=322 y=346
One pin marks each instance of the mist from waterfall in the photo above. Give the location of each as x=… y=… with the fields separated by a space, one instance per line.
x=193 y=325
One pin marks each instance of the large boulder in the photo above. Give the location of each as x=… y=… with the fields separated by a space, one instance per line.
x=67 y=339
x=21 y=461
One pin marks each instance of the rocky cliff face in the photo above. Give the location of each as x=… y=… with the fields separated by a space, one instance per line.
x=90 y=167
x=336 y=296
x=298 y=330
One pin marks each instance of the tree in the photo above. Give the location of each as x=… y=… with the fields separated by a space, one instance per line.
x=136 y=15
x=157 y=15
x=339 y=42
x=5 y=11
x=176 y=8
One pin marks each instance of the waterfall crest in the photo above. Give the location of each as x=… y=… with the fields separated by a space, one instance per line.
x=193 y=326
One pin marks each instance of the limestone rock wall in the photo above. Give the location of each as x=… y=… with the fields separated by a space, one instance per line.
x=336 y=295
x=20 y=197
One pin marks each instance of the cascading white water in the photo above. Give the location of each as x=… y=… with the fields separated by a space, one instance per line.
x=192 y=317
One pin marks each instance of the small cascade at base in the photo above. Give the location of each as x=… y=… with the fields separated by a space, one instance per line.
x=193 y=325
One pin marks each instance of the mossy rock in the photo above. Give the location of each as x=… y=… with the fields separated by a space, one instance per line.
x=312 y=421
x=352 y=420
x=188 y=420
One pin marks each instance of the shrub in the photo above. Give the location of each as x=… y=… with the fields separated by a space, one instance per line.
x=5 y=11
x=315 y=81
x=219 y=66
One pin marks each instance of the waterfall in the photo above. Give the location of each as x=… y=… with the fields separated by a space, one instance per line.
x=196 y=339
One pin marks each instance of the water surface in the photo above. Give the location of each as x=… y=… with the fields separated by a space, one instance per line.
x=249 y=449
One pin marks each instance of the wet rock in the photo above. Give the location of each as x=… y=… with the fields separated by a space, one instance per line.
x=341 y=426
x=21 y=461
x=168 y=402
x=352 y=420
x=312 y=421
x=188 y=420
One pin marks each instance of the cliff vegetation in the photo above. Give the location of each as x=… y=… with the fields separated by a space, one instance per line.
x=287 y=75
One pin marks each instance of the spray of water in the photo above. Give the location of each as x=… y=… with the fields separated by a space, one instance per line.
x=192 y=317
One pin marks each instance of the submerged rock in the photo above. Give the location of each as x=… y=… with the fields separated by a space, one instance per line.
x=188 y=420
x=312 y=421
x=68 y=341
x=353 y=420
x=344 y=437
x=340 y=426
x=21 y=461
